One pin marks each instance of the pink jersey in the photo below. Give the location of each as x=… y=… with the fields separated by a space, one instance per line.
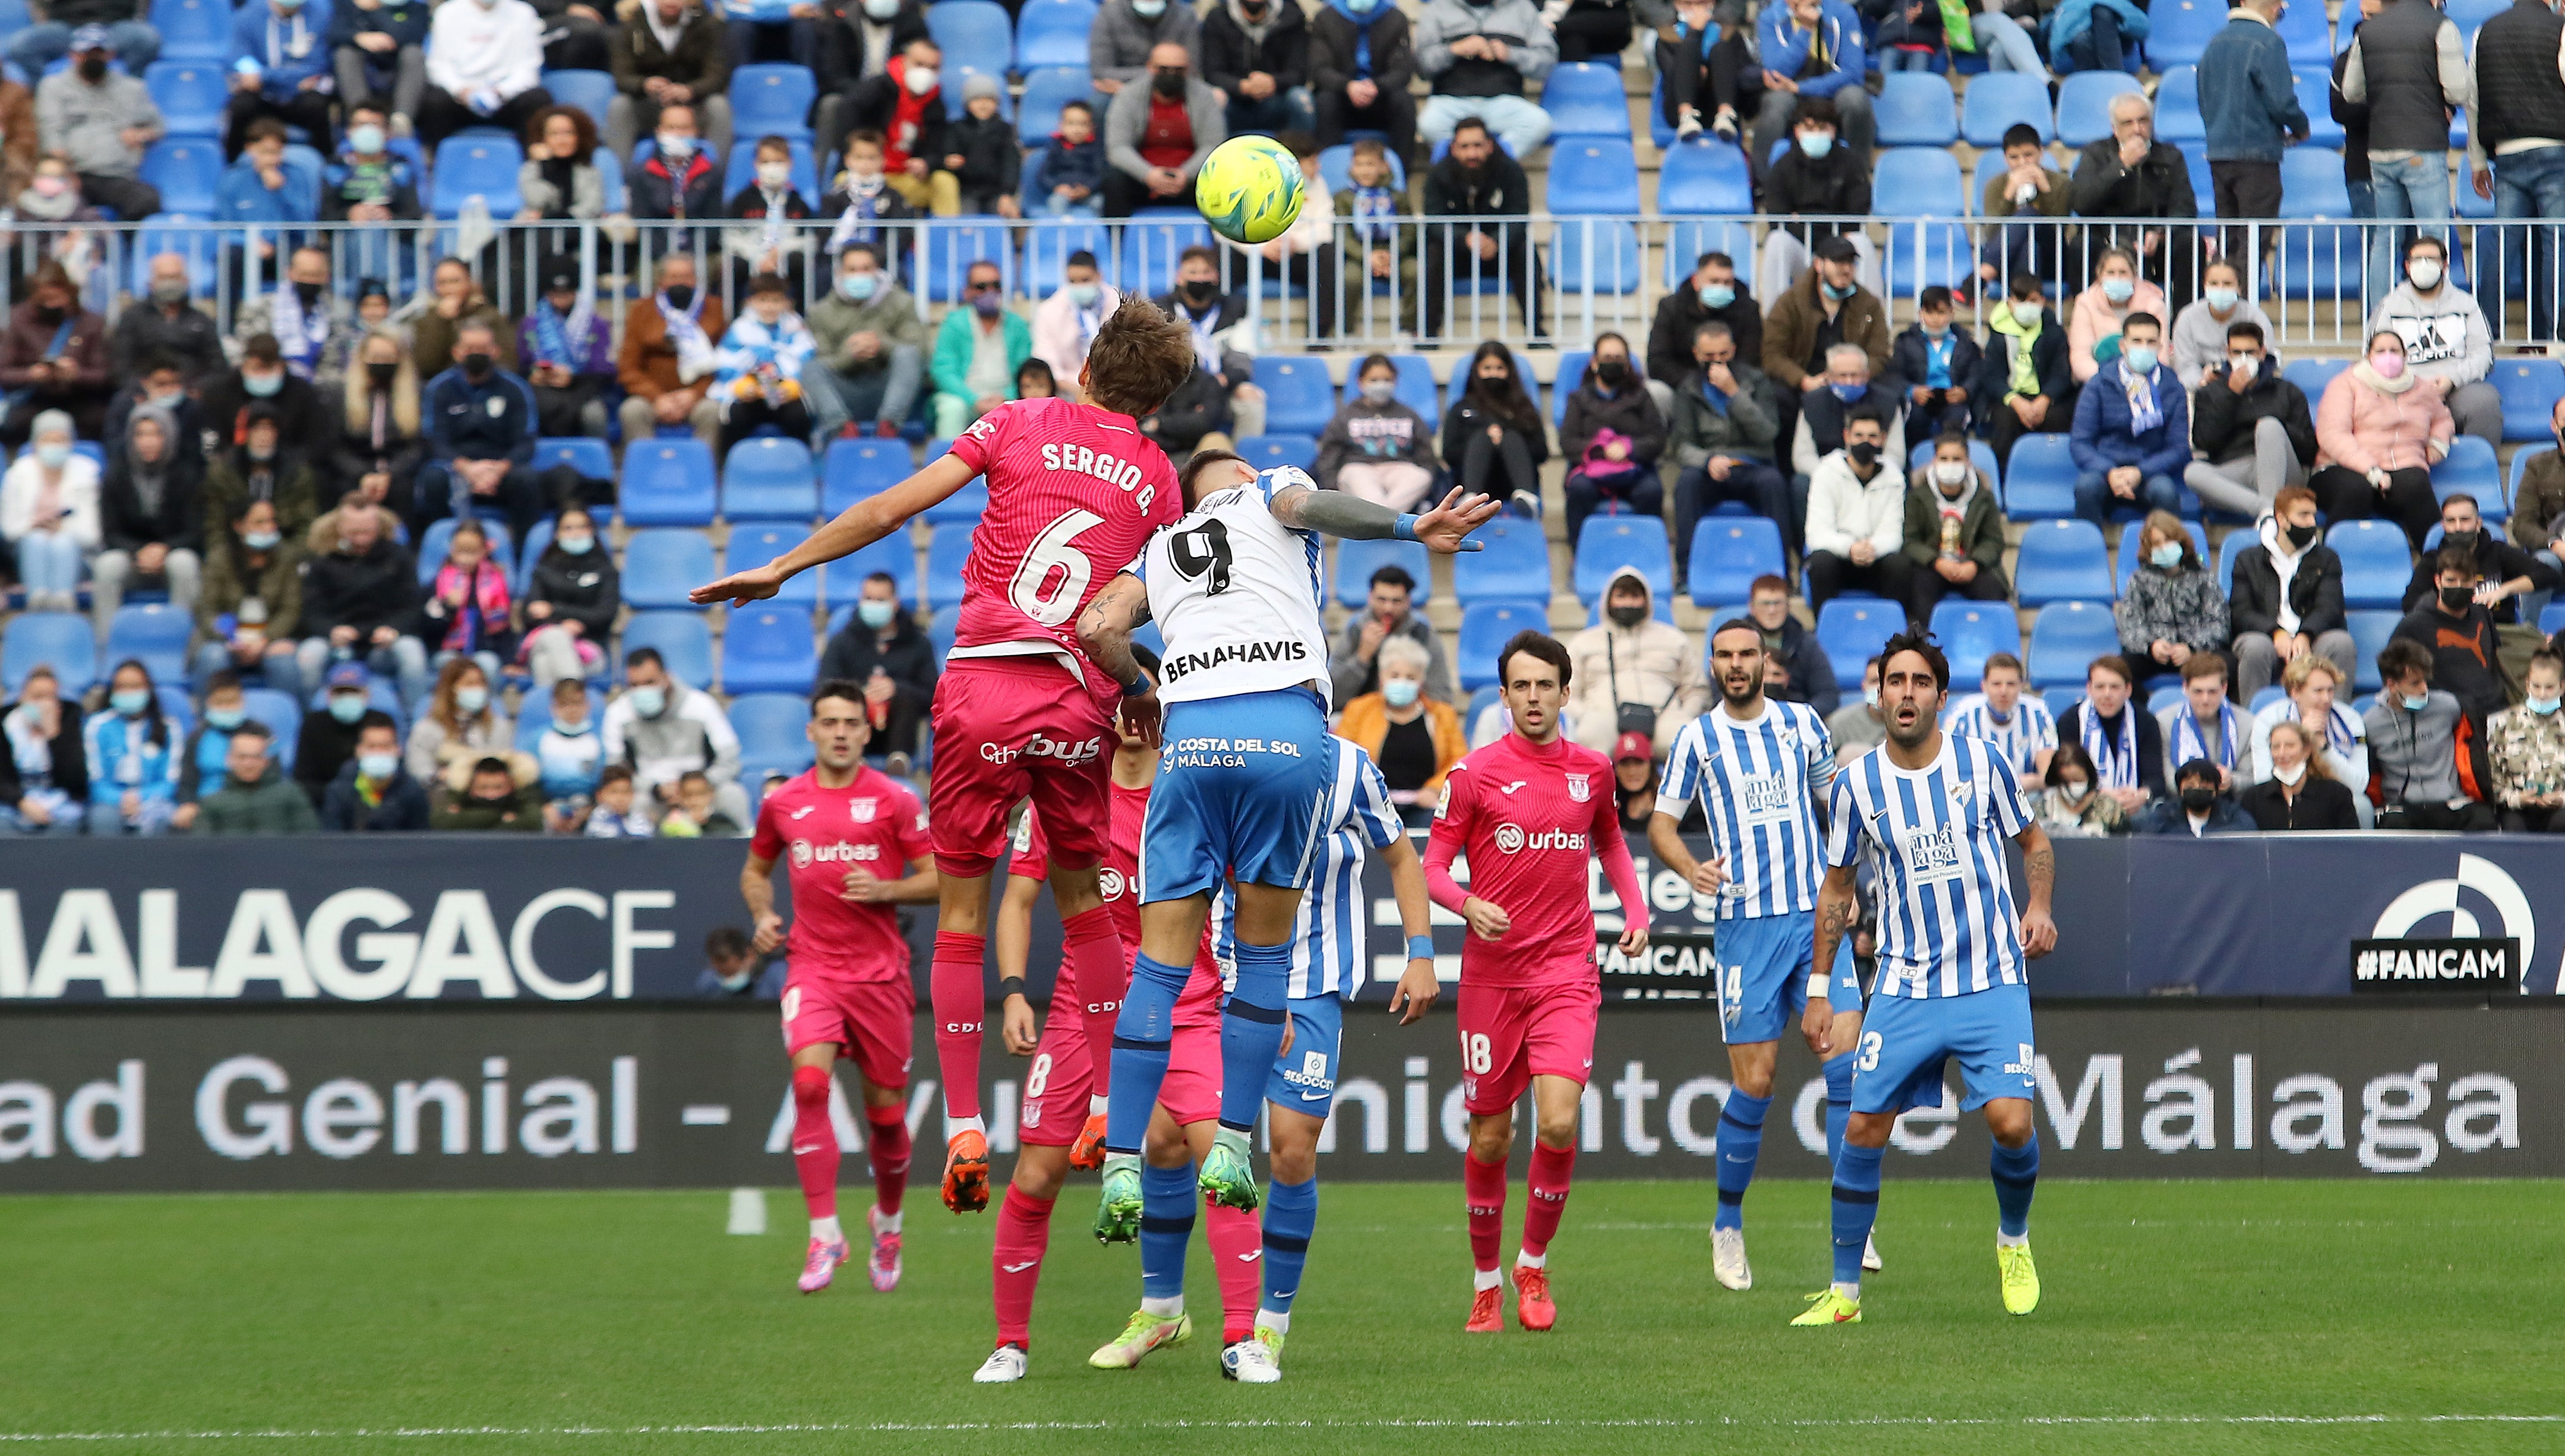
x=874 y=824
x=1531 y=817
x=1074 y=493
x=1118 y=880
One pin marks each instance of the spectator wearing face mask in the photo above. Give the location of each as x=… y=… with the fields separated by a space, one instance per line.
x=459 y=303
x=327 y=739
x=480 y=420
x=1851 y=387
x=1064 y=324
x=1955 y=533
x=763 y=238
x=2024 y=385
x=1631 y=667
x=2122 y=740
x=2454 y=626
x=1713 y=294
x=250 y=610
x=2132 y=435
x=44 y=771
x=1936 y=363
x=1819 y=176
x=1856 y=531
x=667 y=363
x=2448 y=348
x=1127 y=32
x=489 y=800
x=360 y=609
x=2509 y=573
x=568 y=758
x=100 y=122
x=52 y=358
x=2171 y=610
x=2104 y=308
x=569 y=351
x=2204 y=333
x=1219 y=403
x=869 y=353
x=1157 y=135
x=133 y=755
x=166 y=325
x=2301 y=793
x=662 y=730
x=205 y=756
x=1415 y=739
x=1856 y=728
x=2284 y=599
x=2196 y=809
x=303 y=422
x=2334 y=732
x=2072 y=807
x=2527 y=747
x=1376 y=447
x=1613 y=438
x=677 y=181
x=572 y=598
x=882 y=647
x=978 y=350
x=1721 y=428
x=1493 y=439
x=2251 y=424
x=372 y=793
x=2379 y=432
x=150 y=518
x=49 y=513
x=673 y=53
x=2422 y=775
x=462 y=724
x=733 y=972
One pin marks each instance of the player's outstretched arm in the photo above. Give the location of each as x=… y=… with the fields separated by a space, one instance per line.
x=1013 y=934
x=1104 y=630
x=856 y=527
x=757 y=887
x=2039 y=867
x=1416 y=988
x=1351 y=518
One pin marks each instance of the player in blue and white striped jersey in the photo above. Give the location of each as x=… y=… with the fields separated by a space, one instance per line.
x=2020 y=727
x=1760 y=768
x=1328 y=961
x=1931 y=812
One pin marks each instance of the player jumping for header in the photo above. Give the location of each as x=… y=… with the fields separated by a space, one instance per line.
x=1933 y=812
x=1075 y=492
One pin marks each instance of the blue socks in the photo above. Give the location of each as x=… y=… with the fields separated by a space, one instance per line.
x=1740 y=1142
x=1856 y=1207
x=1291 y=1217
x=1838 y=1103
x=1166 y=1225
x=1250 y=1033
x=2016 y=1172
x=1140 y=1038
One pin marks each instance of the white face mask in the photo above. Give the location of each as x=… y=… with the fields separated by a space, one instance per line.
x=2026 y=313
x=2290 y=775
x=2426 y=273
x=2245 y=365
x=772 y=175
x=1950 y=472
x=677 y=144
x=921 y=80
x=2073 y=790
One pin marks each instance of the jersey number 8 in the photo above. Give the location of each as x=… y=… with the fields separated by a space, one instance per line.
x=1049 y=550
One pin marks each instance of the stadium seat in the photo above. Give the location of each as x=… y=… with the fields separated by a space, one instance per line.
x=772 y=726
x=945 y=554
x=1356 y=561
x=755 y=544
x=589 y=91
x=592 y=458
x=2315 y=97
x=741 y=169
x=190 y=30
x=539 y=539
x=1415 y=387
x=2233 y=547
x=2127 y=568
x=2063 y=560
x=1459 y=383
x=1590 y=255
x=768 y=478
x=1573 y=363
x=1513 y=567
x=1485 y=627
x=186 y=169
x=768 y=648
x=1611 y=541
x=962 y=508
x=683 y=640
x=1704 y=177
x=1151 y=242
x=533 y=724
x=2066 y=639
x=2376 y=563
x=2311 y=375
x=661 y=566
x=2178 y=100
x=1299 y=399
x=668 y=482
x=2470 y=470
x=951 y=248
x=2369 y=632
x=155 y=632
x=1915 y=109
x=1728 y=554
x=1049 y=88
x=1336 y=168
x=894 y=553
x=476 y=164
x=1916 y=183
x=1591 y=176
x=191 y=92
x=62 y=642
x=1998 y=99
x=1852 y=630
x=2084 y=104
x=1048 y=246
x=2530 y=389
x=976 y=34
x=2039 y=480
x=282 y=717
x=2177 y=32
x=1269 y=452
x=855 y=469
x=439 y=537
x=1973 y=632
x=1053 y=34
x=1584 y=99
x=775 y=101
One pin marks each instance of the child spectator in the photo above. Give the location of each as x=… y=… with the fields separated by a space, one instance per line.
x=1376 y=447
x=1073 y=164
x=207 y=754
x=491 y=798
x=758 y=379
x=2528 y=751
x=467 y=607
x=1378 y=254
x=731 y=971
x=1034 y=380
x=2171 y=610
x=694 y=815
x=569 y=605
x=767 y=209
x=567 y=757
x=569 y=354
x=615 y=814
x=981 y=151
x=862 y=196
x=44 y=766
x=1935 y=360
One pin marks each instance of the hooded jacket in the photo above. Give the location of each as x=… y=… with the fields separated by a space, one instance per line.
x=1377 y=433
x=1789 y=49
x=2002 y=369
x=1233 y=46
x=125 y=523
x=1680 y=311
x=2444 y=335
x=1843 y=508
x=2222 y=421
x=1377 y=46
x=2415 y=757
x=1981 y=525
x=1653 y=663
x=2253 y=606
x=1118 y=49
x=1747 y=429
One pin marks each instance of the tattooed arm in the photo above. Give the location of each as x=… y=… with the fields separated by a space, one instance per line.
x=2040 y=868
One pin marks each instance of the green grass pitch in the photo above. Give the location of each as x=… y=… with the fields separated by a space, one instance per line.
x=2332 y=1317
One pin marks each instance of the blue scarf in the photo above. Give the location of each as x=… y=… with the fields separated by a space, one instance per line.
x=2144 y=414
x=1374 y=207
x=1362 y=23
x=1937 y=360
x=554 y=333
x=2115 y=763
x=2187 y=744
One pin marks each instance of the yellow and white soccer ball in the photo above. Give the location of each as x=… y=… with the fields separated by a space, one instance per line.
x=1250 y=189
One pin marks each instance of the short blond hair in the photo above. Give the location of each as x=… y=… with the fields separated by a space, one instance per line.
x=2308 y=665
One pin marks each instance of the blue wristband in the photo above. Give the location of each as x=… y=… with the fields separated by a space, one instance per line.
x=1136 y=687
x=1405 y=526
x=1420 y=947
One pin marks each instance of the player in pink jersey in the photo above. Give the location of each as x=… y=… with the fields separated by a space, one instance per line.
x=1075 y=492
x=849 y=834
x=1529 y=811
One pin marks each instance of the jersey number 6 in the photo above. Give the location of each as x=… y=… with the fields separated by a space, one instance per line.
x=1202 y=549
x=1052 y=550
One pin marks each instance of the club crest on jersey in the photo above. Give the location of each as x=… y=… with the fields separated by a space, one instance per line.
x=862 y=810
x=1578 y=788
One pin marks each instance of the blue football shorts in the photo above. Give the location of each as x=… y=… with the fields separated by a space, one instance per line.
x=1241 y=782
x=1905 y=1043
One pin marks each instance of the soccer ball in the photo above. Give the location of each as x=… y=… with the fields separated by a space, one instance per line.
x=1250 y=189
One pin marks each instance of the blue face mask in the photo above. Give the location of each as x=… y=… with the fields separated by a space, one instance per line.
x=1849 y=393
x=2543 y=706
x=1837 y=294
x=347 y=708
x=2141 y=358
x=875 y=614
x=129 y=702
x=571 y=727
x=859 y=286
x=2415 y=704
x=1717 y=295
x=263 y=388
x=575 y=545
x=649 y=702
x=1816 y=144
x=225 y=719
x=1400 y=693
x=379 y=767
x=2118 y=290
x=1082 y=295
x=472 y=699
x=2167 y=556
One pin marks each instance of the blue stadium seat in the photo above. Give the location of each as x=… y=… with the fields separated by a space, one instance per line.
x=2084 y=105
x=1356 y=561
x=945 y=554
x=1917 y=183
x=592 y=458
x=768 y=478
x=1459 y=383
x=2066 y=639
x=1273 y=451
x=895 y=553
x=661 y=566
x=2311 y=375
x=975 y=34
x=476 y=164
x=1916 y=109
x=186 y=169
x=2530 y=389
x=2369 y=632
x=962 y=508
x=1591 y=174
x=944 y=266
x=1416 y=387
x=2315 y=97
x=1704 y=177
x=2178 y=98
x=772 y=101
x=1051 y=87
x=1573 y=363
x=2310 y=38
x=1972 y=632
x=2039 y=479
x=768 y=648
x=2063 y=560
x=1335 y=167
x=1853 y=629
x=439 y=538
x=1728 y=554
x=1052 y=34
x=62 y=642
x=1047 y=245
x=683 y=640
x=855 y=469
x=2376 y=563
x=1151 y=242
x=1299 y=399
x=1998 y=99
x=533 y=724
x=1485 y=627
x=282 y=717
x=2233 y=545
x=2472 y=470
x=755 y=544
x=155 y=632
x=1584 y=99
x=741 y=169
x=1595 y=256
x=190 y=30
x=589 y=91
x=773 y=727
x=1611 y=541
x=192 y=91
x=1513 y=567
x=2177 y=32
x=668 y=482
x=2126 y=569
x=539 y=539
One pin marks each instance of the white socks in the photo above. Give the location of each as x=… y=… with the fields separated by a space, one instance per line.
x=1487 y=1278
x=955 y=1126
x=1530 y=1261
x=1274 y=1319
x=827 y=1231
x=1851 y=1291
x=885 y=1223
x=2011 y=1241
x=1096 y=1103
x=1166 y=1309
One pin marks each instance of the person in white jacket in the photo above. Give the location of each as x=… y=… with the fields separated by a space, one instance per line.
x=485 y=67
x=49 y=513
x=1064 y=324
x=1857 y=516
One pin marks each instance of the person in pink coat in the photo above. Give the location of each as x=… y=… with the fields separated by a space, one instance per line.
x=2117 y=291
x=2376 y=438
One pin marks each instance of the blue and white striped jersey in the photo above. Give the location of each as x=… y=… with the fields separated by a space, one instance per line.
x=1759 y=783
x=1947 y=922
x=1328 y=956
x=2021 y=736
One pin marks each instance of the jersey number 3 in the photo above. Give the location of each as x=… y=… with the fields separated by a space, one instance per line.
x=1051 y=551
x=1202 y=551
